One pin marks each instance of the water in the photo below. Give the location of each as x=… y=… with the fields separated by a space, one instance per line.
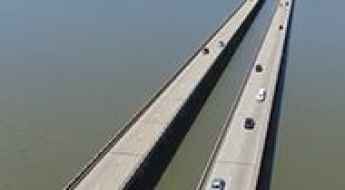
x=73 y=71
x=186 y=167
x=310 y=149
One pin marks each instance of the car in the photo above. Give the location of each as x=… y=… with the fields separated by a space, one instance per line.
x=281 y=27
x=259 y=68
x=249 y=123
x=206 y=51
x=221 y=44
x=261 y=96
x=218 y=184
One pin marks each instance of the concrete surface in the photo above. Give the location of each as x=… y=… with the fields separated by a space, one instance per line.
x=239 y=155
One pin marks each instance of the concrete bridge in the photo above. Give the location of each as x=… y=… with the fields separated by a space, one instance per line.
x=140 y=151
x=238 y=154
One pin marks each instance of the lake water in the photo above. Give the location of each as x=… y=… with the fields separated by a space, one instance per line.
x=310 y=150
x=73 y=72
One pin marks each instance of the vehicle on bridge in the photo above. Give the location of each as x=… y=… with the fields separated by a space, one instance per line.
x=249 y=123
x=218 y=184
x=260 y=97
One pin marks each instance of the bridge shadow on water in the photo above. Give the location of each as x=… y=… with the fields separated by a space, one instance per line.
x=267 y=165
x=150 y=172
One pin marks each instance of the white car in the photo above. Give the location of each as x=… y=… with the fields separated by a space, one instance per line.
x=261 y=96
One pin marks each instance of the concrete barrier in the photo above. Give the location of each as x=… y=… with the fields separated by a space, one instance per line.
x=135 y=157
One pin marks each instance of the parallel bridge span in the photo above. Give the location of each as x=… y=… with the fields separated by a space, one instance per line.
x=237 y=157
x=125 y=159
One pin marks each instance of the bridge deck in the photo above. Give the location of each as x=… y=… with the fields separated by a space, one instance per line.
x=120 y=163
x=238 y=157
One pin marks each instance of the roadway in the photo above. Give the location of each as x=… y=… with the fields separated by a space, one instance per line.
x=237 y=157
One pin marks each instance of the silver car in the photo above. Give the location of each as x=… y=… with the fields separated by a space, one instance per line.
x=261 y=96
x=218 y=184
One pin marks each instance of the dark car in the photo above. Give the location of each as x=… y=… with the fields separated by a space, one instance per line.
x=259 y=68
x=249 y=123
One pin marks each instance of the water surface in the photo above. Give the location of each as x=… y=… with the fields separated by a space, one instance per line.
x=73 y=71
x=310 y=150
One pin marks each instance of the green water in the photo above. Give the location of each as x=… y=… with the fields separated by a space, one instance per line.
x=72 y=72
x=310 y=149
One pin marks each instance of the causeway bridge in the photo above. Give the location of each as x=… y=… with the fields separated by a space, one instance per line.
x=138 y=154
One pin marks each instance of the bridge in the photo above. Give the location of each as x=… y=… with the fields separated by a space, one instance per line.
x=140 y=151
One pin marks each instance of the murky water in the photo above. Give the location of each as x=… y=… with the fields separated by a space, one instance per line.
x=186 y=167
x=72 y=72
x=310 y=152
